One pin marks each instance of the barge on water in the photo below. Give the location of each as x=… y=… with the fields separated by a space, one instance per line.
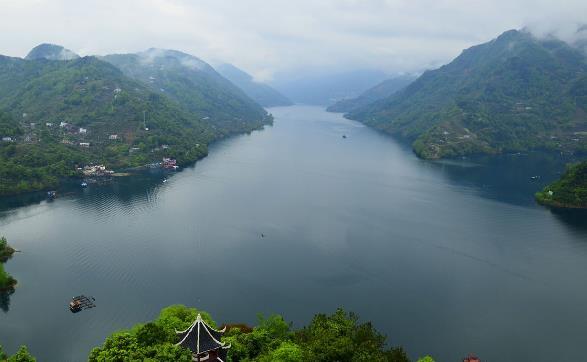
x=80 y=303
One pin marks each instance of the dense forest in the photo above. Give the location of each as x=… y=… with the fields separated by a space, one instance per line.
x=58 y=115
x=195 y=86
x=568 y=192
x=511 y=94
x=336 y=337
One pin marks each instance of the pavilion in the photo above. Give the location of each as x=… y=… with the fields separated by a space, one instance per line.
x=204 y=342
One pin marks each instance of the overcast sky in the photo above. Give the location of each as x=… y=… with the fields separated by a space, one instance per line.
x=268 y=37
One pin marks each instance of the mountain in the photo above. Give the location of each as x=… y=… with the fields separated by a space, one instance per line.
x=51 y=52
x=325 y=88
x=259 y=92
x=194 y=85
x=568 y=192
x=511 y=94
x=382 y=90
x=56 y=115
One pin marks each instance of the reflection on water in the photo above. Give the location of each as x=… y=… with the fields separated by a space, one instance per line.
x=575 y=219
x=511 y=178
x=446 y=258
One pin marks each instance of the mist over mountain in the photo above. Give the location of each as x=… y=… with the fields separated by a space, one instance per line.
x=513 y=93
x=193 y=84
x=51 y=52
x=325 y=88
x=259 y=92
x=382 y=90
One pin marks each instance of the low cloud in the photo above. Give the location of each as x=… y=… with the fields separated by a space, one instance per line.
x=284 y=37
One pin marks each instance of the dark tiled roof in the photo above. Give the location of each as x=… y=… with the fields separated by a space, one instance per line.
x=200 y=337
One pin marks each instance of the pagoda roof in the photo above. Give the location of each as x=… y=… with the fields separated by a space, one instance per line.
x=200 y=337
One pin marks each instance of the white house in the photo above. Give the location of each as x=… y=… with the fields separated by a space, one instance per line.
x=7 y=139
x=62 y=124
x=49 y=124
x=83 y=130
x=84 y=144
x=113 y=137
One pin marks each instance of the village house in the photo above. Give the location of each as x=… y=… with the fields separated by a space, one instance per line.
x=113 y=137
x=84 y=144
x=49 y=124
x=169 y=163
x=63 y=124
x=96 y=170
x=6 y=139
x=83 y=130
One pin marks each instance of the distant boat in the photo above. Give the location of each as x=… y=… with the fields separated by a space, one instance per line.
x=535 y=177
x=84 y=184
x=343 y=136
x=164 y=180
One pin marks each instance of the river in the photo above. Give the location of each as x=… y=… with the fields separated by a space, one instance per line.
x=446 y=258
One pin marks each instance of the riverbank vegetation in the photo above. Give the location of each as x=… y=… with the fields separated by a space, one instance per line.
x=6 y=250
x=336 y=337
x=570 y=191
x=7 y=282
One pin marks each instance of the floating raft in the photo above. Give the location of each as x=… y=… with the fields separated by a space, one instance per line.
x=80 y=303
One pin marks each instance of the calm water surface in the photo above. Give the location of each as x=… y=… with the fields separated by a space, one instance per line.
x=446 y=258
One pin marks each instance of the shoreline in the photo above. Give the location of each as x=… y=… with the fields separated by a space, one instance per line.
x=131 y=171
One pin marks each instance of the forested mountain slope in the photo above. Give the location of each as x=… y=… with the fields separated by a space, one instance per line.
x=513 y=93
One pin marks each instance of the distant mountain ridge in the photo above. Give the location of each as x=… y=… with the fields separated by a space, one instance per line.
x=382 y=90
x=511 y=94
x=324 y=89
x=261 y=93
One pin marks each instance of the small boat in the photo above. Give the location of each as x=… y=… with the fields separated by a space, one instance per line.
x=51 y=194
x=534 y=177
x=80 y=303
x=343 y=136
x=84 y=184
x=164 y=180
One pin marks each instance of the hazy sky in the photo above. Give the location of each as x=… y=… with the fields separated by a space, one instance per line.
x=273 y=36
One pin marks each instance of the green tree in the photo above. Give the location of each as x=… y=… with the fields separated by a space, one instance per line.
x=286 y=352
x=426 y=359
x=340 y=337
x=22 y=355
